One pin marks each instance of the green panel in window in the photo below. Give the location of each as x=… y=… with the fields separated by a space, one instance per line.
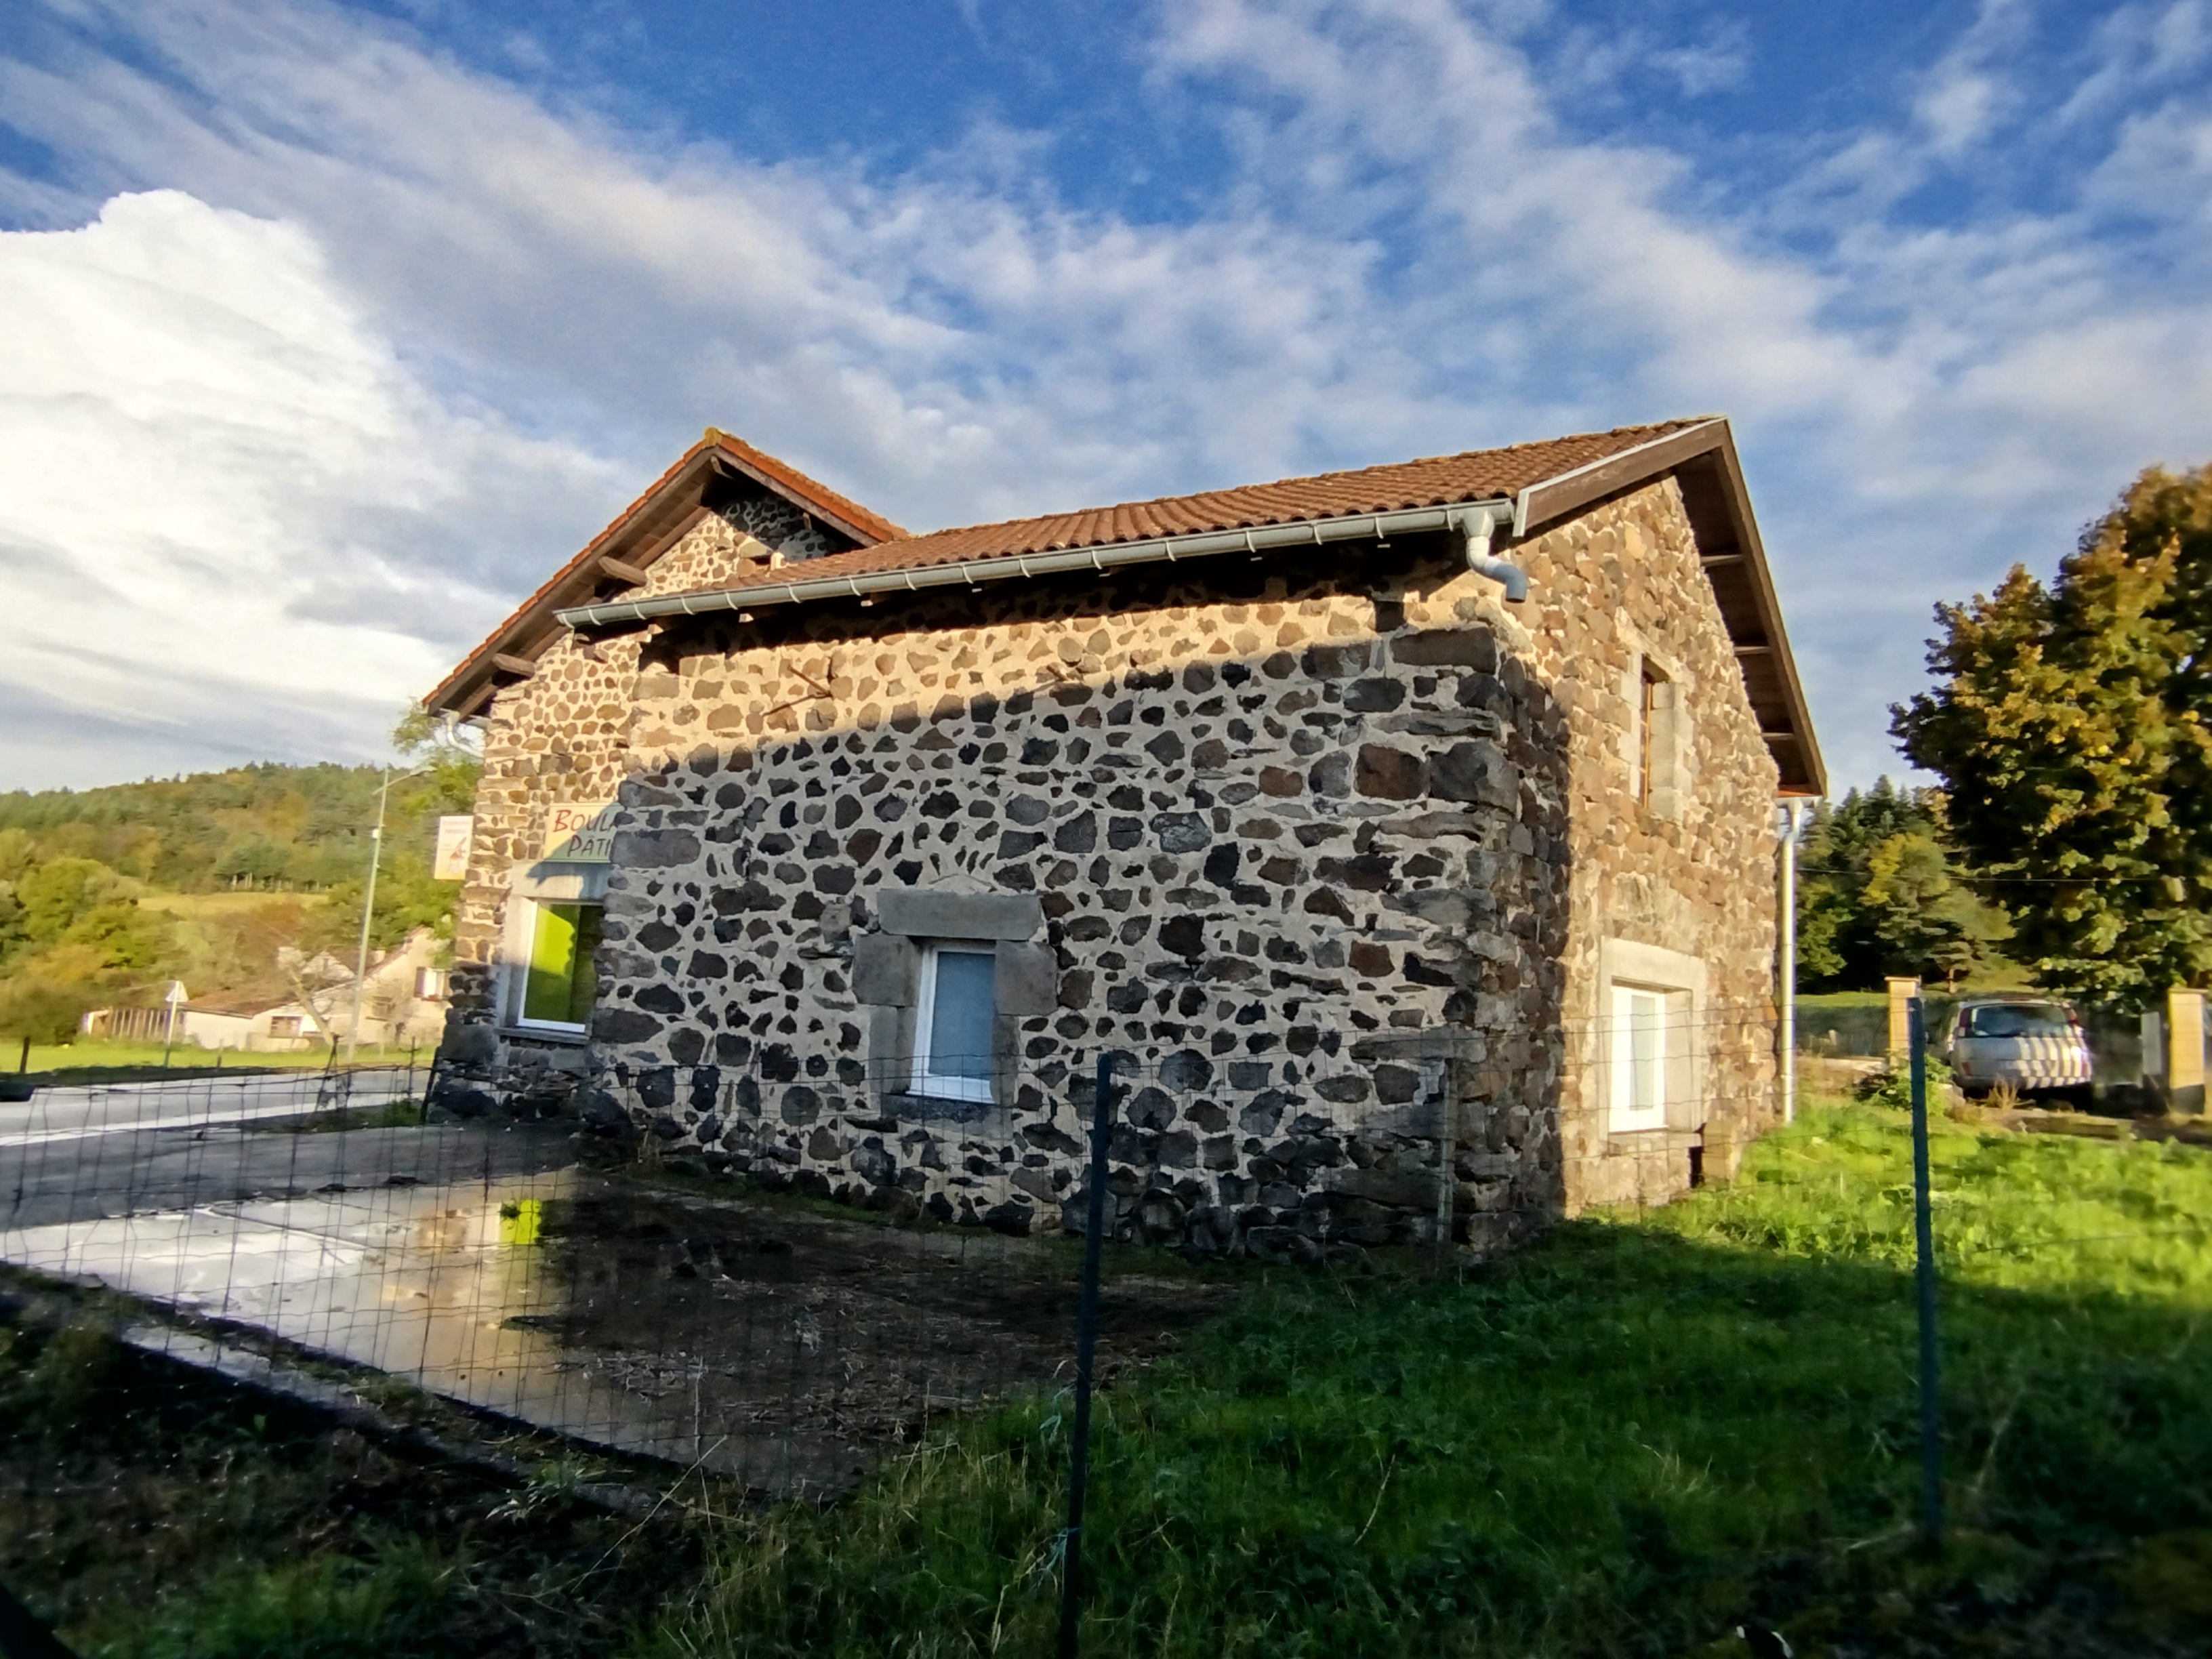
x=561 y=982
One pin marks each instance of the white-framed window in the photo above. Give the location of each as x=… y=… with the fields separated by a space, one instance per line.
x=555 y=980
x=1639 y=1067
x=952 y=1021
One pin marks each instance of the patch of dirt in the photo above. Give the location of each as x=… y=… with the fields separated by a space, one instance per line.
x=803 y=1345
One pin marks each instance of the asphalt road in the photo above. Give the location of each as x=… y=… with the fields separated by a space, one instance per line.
x=87 y=1154
x=194 y=1099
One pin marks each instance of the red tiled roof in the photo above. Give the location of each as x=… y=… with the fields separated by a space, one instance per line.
x=809 y=492
x=1438 y=481
x=780 y=476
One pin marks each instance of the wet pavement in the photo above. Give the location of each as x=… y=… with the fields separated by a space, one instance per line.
x=180 y=1165
x=758 y=1337
x=195 y=1100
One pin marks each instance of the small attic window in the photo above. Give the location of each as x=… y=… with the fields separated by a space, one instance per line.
x=1654 y=739
x=1649 y=679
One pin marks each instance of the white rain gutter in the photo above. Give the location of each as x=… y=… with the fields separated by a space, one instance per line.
x=1477 y=522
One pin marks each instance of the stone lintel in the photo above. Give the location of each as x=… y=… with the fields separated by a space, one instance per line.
x=920 y=913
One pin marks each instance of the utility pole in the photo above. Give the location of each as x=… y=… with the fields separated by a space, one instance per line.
x=368 y=902
x=175 y=998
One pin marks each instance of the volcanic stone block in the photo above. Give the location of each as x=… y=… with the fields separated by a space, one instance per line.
x=1338 y=659
x=1186 y=1071
x=1475 y=771
x=1370 y=959
x=1181 y=832
x=1374 y=696
x=1026 y=979
x=654 y=849
x=1387 y=774
x=1332 y=774
x=886 y=970
x=1152 y=1107
x=1185 y=935
x=1447 y=647
x=926 y=913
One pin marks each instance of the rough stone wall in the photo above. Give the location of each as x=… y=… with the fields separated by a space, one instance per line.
x=1270 y=832
x=1693 y=874
x=559 y=737
x=1288 y=821
x=564 y=735
x=749 y=529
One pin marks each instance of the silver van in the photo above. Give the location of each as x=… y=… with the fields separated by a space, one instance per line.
x=2035 y=1047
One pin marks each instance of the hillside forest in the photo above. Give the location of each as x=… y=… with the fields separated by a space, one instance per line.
x=216 y=879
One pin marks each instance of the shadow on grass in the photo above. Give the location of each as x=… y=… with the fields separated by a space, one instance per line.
x=1627 y=1439
x=154 y=1512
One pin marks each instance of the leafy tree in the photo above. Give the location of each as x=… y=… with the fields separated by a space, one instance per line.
x=1880 y=895
x=450 y=762
x=2072 y=726
x=57 y=895
x=43 y=1009
x=253 y=859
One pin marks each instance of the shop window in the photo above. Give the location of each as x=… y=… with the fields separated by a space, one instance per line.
x=559 y=981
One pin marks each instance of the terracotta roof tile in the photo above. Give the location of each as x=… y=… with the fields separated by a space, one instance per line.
x=1438 y=481
x=535 y=612
x=874 y=526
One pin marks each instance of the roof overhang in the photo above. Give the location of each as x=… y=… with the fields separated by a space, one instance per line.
x=1704 y=462
x=973 y=573
x=1701 y=457
x=644 y=529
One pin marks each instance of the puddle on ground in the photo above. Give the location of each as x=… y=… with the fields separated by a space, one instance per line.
x=781 y=1347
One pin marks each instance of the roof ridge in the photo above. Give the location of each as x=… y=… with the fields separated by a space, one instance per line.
x=1660 y=428
x=838 y=503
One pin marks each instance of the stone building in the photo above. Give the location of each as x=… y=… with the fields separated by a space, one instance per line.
x=1382 y=824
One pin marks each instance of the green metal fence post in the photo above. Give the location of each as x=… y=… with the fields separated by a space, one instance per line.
x=1923 y=1231
x=1087 y=1346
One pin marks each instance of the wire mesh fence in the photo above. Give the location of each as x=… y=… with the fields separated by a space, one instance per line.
x=781 y=1275
x=769 y=1272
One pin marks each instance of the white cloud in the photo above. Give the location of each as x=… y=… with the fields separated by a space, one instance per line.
x=211 y=474
x=1416 y=251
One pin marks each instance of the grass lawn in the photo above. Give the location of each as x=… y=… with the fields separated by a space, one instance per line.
x=1627 y=1439
x=204 y=905
x=155 y=1514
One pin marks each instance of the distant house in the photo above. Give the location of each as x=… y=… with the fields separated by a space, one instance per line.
x=838 y=854
x=404 y=1004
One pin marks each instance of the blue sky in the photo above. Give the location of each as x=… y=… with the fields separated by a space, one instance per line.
x=327 y=329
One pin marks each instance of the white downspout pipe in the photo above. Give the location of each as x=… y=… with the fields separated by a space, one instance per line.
x=1788 y=1034
x=1478 y=525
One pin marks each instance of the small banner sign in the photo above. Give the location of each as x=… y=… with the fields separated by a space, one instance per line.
x=451 y=862
x=580 y=832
